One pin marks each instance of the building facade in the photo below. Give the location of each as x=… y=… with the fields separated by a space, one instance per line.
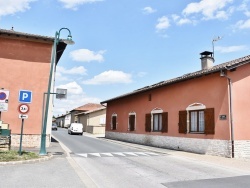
x=202 y=112
x=25 y=65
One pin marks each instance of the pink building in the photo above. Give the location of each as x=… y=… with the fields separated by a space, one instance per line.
x=202 y=112
x=25 y=65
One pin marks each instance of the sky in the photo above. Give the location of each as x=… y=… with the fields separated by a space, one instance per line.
x=124 y=45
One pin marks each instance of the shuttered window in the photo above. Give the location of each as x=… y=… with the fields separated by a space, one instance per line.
x=164 y=122
x=159 y=123
x=209 y=121
x=148 y=123
x=200 y=121
x=131 y=122
x=113 y=123
x=183 y=121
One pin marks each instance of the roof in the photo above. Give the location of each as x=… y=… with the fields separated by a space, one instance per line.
x=87 y=107
x=39 y=38
x=217 y=68
x=91 y=111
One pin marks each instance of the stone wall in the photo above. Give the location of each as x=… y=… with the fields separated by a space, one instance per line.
x=28 y=140
x=242 y=149
x=194 y=145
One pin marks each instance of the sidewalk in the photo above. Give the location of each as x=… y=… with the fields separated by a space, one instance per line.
x=54 y=170
x=232 y=163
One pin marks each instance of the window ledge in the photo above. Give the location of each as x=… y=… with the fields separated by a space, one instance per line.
x=196 y=132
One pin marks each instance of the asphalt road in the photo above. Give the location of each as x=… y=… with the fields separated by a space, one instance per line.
x=83 y=144
x=112 y=164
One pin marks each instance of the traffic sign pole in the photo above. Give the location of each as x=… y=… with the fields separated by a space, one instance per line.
x=21 y=138
x=23 y=109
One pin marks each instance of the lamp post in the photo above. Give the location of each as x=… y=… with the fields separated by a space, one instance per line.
x=52 y=64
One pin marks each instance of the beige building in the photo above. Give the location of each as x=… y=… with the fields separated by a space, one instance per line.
x=93 y=121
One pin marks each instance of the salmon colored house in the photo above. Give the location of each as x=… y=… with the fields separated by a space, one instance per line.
x=25 y=65
x=203 y=112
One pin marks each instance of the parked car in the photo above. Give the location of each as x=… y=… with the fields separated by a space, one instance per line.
x=75 y=128
x=54 y=126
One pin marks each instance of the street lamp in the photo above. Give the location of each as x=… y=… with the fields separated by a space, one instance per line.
x=52 y=64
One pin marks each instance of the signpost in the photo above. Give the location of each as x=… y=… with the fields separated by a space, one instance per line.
x=25 y=96
x=4 y=99
x=23 y=109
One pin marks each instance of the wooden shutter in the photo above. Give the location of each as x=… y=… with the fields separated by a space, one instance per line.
x=164 y=122
x=132 y=122
x=209 y=121
x=183 y=121
x=148 y=123
x=114 y=122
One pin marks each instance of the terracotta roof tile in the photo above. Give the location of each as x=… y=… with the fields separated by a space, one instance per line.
x=87 y=107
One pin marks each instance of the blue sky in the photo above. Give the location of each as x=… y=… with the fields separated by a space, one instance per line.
x=124 y=45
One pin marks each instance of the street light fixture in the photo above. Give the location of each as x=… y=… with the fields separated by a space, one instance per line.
x=52 y=64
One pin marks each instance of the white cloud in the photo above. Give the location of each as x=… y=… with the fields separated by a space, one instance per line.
x=163 y=24
x=243 y=24
x=230 y=49
x=110 y=77
x=85 y=55
x=148 y=10
x=72 y=88
x=209 y=9
x=244 y=7
x=13 y=6
x=75 y=70
x=73 y=4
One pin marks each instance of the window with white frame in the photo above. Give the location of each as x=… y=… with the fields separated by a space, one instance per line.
x=156 y=121
x=197 y=119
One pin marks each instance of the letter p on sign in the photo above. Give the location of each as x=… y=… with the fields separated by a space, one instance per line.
x=25 y=96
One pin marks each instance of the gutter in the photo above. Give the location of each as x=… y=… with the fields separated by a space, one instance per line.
x=222 y=74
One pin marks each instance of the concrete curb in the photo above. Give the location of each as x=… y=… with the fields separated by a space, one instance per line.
x=41 y=159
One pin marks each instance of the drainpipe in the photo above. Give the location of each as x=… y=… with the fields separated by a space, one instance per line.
x=222 y=74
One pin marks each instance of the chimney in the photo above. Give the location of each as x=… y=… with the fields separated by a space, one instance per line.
x=207 y=60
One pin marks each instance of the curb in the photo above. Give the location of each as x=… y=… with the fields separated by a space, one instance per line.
x=42 y=159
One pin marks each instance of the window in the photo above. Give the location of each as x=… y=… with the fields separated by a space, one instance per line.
x=114 y=122
x=156 y=121
x=197 y=121
x=131 y=121
x=200 y=121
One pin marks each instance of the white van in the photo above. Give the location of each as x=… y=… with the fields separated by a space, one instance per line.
x=75 y=128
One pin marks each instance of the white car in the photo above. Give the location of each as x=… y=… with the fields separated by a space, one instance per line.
x=75 y=128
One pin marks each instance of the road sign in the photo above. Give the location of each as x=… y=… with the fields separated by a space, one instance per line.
x=23 y=108
x=4 y=99
x=25 y=96
x=23 y=116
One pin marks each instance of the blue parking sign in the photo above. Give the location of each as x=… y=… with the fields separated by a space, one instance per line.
x=25 y=96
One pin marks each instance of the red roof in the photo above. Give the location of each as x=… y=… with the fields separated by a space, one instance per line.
x=87 y=107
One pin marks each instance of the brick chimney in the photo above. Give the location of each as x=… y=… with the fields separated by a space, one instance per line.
x=207 y=60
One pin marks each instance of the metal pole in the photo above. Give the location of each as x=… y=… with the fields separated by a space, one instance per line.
x=21 y=138
x=231 y=115
x=43 y=136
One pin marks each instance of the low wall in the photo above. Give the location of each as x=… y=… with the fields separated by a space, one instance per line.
x=95 y=129
x=28 y=140
x=194 y=145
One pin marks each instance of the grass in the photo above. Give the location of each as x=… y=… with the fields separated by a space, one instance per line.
x=12 y=155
